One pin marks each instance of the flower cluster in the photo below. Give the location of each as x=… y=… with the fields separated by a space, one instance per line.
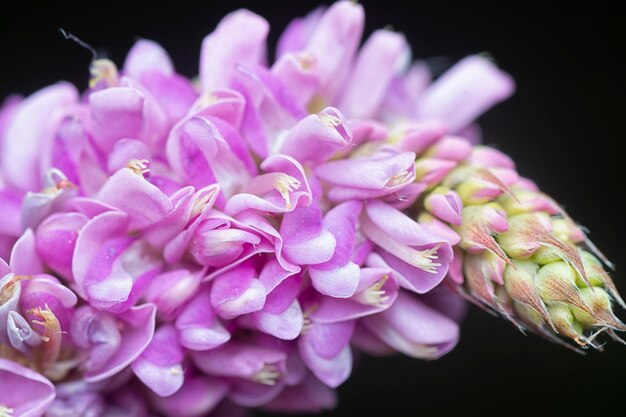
x=182 y=248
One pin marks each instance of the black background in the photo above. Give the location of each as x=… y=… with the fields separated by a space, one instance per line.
x=564 y=127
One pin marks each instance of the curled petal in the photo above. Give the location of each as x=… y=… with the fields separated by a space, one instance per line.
x=317 y=137
x=147 y=56
x=238 y=39
x=414 y=329
x=196 y=398
x=373 y=71
x=237 y=292
x=464 y=92
x=198 y=326
x=159 y=366
x=24 y=392
x=138 y=329
x=283 y=188
x=24 y=140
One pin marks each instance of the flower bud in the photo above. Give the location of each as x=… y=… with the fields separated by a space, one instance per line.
x=519 y=281
x=445 y=204
x=556 y=283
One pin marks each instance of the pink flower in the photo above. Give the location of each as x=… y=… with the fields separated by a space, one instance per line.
x=182 y=248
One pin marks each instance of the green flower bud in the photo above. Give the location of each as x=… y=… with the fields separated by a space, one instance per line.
x=547 y=254
x=519 y=281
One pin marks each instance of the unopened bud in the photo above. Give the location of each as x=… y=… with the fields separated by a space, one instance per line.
x=432 y=170
x=524 y=235
x=451 y=148
x=519 y=281
x=445 y=204
x=556 y=282
x=566 y=324
x=525 y=201
x=599 y=302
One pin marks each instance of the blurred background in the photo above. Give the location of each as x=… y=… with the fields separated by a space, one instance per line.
x=564 y=127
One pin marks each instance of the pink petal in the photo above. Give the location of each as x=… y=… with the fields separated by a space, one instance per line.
x=238 y=39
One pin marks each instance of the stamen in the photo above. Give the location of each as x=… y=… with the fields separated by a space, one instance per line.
x=279 y=181
x=204 y=101
x=423 y=259
x=330 y=120
x=200 y=204
x=306 y=60
x=7 y=291
x=307 y=323
x=139 y=166
x=5 y=411
x=60 y=185
x=268 y=375
x=400 y=179
x=285 y=186
x=103 y=70
x=374 y=295
x=51 y=336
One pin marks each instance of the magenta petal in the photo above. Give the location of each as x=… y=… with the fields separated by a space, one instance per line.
x=222 y=103
x=251 y=394
x=452 y=148
x=285 y=325
x=95 y=265
x=297 y=33
x=270 y=108
x=170 y=290
x=11 y=222
x=307 y=242
x=116 y=113
x=414 y=329
x=334 y=42
x=420 y=257
x=273 y=274
x=282 y=315
x=377 y=291
x=174 y=250
x=173 y=92
x=196 y=398
x=124 y=151
x=464 y=92
x=297 y=72
x=491 y=157
x=55 y=240
x=340 y=282
x=20 y=333
x=143 y=202
x=240 y=360
x=372 y=74
x=332 y=371
x=135 y=338
x=24 y=257
x=147 y=56
x=238 y=39
x=341 y=221
x=370 y=177
x=24 y=391
x=197 y=325
x=367 y=130
x=328 y=339
x=37 y=205
x=237 y=292
x=439 y=228
x=281 y=189
x=24 y=139
x=310 y=396
x=317 y=137
x=446 y=206
x=160 y=364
